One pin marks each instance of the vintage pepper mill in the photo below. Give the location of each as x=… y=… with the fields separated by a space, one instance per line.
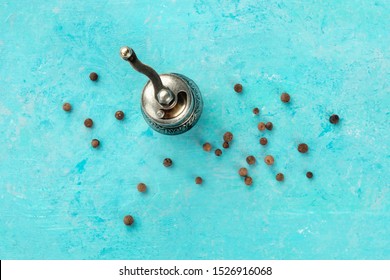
x=170 y=103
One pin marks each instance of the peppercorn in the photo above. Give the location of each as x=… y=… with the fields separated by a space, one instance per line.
x=285 y=97
x=207 y=147
x=228 y=137
x=67 y=107
x=250 y=160
x=279 y=177
x=167 y=162
x=303 y=148
x=225 y=145
x=248 y=180
x=93 y=76
x=88 y=123
x=218 y=152
x=309 y=174
x=95 y=143
x=141 y=187
x=269 y=160
x=269 y=125
x=256 y=111
x=263 y=141
x=238 y=88
x=198 y=180
x=128 y=220
x=243 y=172
x=119 y=115
x=261 y=126
x=334 y=119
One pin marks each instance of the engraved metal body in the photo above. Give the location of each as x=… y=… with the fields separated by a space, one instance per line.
x=171 y=103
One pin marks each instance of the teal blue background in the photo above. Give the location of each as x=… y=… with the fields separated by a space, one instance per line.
x=61 y=199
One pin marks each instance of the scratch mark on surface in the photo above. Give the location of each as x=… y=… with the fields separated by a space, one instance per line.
x=81 y=165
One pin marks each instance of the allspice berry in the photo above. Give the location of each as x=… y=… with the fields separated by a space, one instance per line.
x=228 y=137
x=218 y=152
x=248 y=180
x=269 y=125
x=128 y=220
x=93 y=76
x=263 y=141
x=269 y=160
x=243 y=172
x=303 y=148
x=261 y=126
x=88 y=123
x=95 y=143
x=67 y=107
x=167 y=162
x=238 y=88
x=279 y=177
x=141 y=187
x=309 y=174
x=225 y=145
x=256 y=111
x=334 y=119
x=119 y=115
x=207 y=147
x=250 y=160
x=285 y=97
x=198 y=180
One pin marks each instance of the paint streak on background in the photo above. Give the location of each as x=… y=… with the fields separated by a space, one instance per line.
x=60 y=199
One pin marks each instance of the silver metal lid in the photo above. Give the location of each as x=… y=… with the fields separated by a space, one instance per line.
x=178 y=112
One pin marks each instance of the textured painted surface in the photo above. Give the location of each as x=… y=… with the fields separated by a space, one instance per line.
x=60 y=199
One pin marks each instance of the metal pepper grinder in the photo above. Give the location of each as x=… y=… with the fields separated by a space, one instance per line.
x=171 y=103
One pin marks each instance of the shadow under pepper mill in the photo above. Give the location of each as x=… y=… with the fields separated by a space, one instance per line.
x=170 y=103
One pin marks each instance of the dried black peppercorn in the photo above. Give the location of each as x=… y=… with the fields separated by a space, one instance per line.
x=263 y=141
x=141 y=187
x=119 y=115
x=243 y=172
x=238 y=88
x=250 y=160
x=228 y=137
x=198 y=180
x=279 y=177
x=88 y=123
x=334 y=119
x=256 y=111
x=269 y=160
x=269 y=125
x=207 y=147
x=309 y=174
x=261 y=126
x=248 y=180
x=67 y=107
x=93 y=76
x=218 y=152
x=128 y=220
x=225 y=145
x=95 y=143
x=285 y=97
x=167 y=162
x=303 y=148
